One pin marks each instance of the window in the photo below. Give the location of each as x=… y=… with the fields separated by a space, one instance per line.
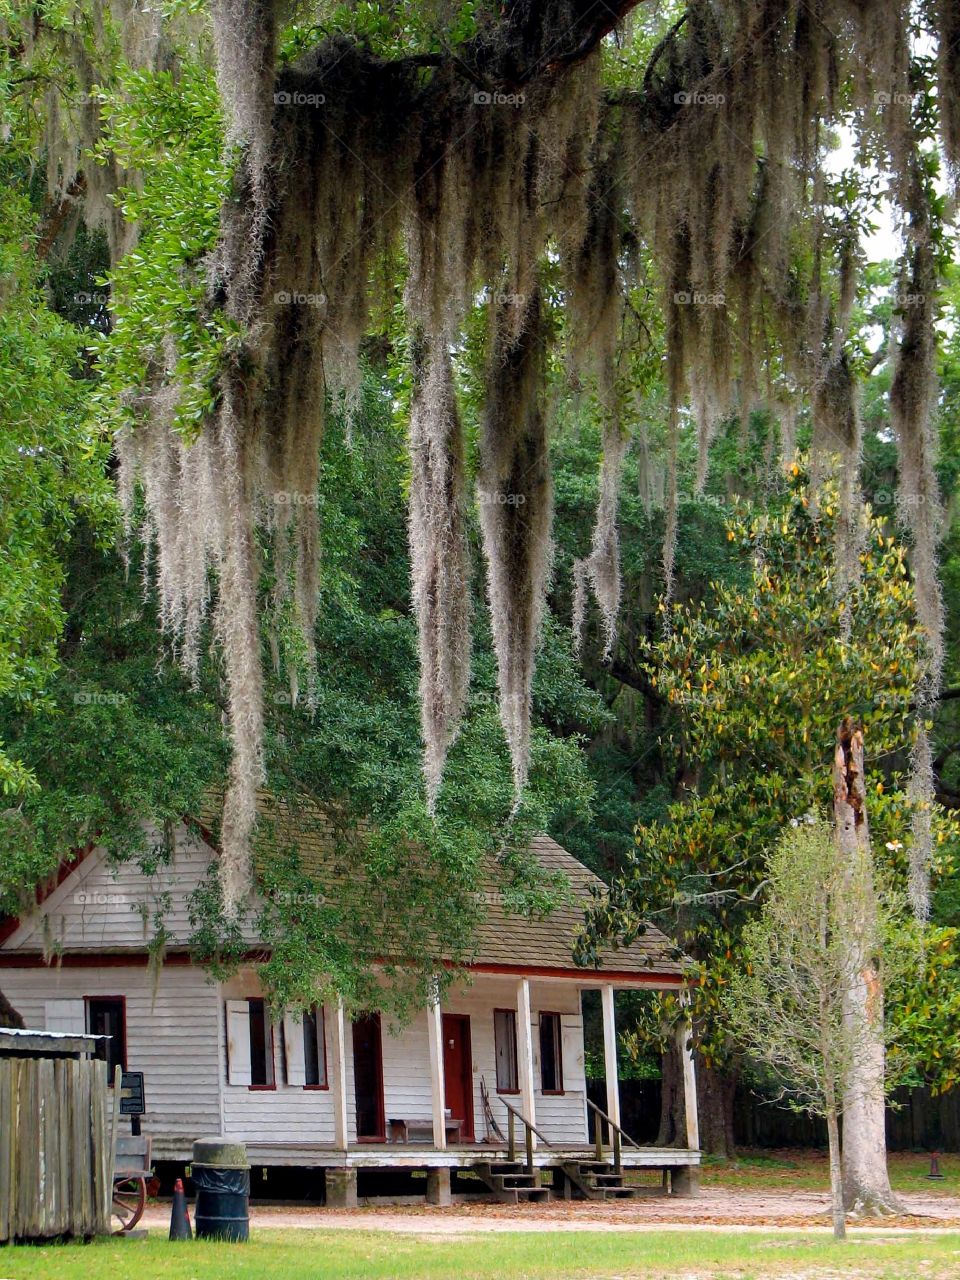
x=314 y=1049
x=304 y=1048
x=249 y=1044
x=261 y=1044
x=505 y=1041
x=551 y=1057
x=107 y=1016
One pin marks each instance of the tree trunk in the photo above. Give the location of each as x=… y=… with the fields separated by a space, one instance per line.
x=672 y=1131
x=836 y=1175
x=8 y=1014
x=866 y=1183
x=715 y=1094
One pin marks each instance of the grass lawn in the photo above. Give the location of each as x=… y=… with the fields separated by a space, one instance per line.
x=316 y=1255
x=809 y=1171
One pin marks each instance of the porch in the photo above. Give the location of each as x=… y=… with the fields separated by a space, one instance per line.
x=390 y=1155
x=467 y=1172
x=491 y=1085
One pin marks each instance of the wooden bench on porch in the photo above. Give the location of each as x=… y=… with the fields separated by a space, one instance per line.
x=416 y=1130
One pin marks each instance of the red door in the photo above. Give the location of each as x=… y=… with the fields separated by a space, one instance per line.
x=458 y=1072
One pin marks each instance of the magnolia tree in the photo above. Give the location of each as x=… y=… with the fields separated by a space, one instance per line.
x=789 y=1005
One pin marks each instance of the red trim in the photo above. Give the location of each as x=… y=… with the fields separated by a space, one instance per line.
x=321 y=1010
x=592 y=977
x=315 y=1088
x=139 y=959
x=10 y=924
x=516 y=1051
x=551 y=1013
x=122 y=1001
x=262 y=1088
x=108 y=959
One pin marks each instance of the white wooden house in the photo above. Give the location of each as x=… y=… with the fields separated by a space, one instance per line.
x=322 y=1091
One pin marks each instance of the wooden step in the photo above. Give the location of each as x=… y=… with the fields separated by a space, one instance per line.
x=594 y=1180
x=510 y=1183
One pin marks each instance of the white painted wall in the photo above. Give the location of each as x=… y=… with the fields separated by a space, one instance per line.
x=100 y=907
x=171 y=1038
x=291 y=1114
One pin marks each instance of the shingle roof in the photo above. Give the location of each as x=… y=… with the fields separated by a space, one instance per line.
x=504 y=939
x=548 y=943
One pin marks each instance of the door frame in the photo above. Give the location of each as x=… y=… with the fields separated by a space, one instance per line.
x=381 y=1134
x=468 y=1132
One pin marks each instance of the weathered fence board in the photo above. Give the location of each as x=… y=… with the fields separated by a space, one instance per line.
x=57 y=1131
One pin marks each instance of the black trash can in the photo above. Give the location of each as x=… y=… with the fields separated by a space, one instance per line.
x=221 y=1176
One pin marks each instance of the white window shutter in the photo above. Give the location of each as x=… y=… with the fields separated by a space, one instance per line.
x=293 y=1048
x=65 y=1015
x=238 y=1042
x=571 y=1046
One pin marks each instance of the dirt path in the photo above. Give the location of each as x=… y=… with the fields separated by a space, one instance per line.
x=718 y=1209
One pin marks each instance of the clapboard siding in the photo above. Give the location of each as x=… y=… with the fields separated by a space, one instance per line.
x=171 y=1038
x=562 y=1119
x=100 y=907
x=289 y=1114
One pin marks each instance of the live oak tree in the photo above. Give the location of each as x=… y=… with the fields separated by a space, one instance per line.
x=123 y=738
x=690 y=140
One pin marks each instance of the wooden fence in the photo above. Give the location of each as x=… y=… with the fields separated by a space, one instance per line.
x=58 y=1125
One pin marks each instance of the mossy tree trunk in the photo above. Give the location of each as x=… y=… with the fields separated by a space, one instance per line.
x=866 y=1183
x=8 y=1014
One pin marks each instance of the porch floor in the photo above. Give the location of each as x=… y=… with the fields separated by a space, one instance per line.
x=422 y=1155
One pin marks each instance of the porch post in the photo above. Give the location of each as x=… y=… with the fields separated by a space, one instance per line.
x=525 y=1053
x=689 y=1086
x=339 y=1046
x=610 y=1054
x=685 y=1181
x=437 y=1085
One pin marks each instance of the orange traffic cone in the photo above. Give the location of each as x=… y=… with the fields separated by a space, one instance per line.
x=180 y=1228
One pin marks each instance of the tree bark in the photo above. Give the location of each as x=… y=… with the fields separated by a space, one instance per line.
x=836 y=1175
x=866 y=1183
x=672 y=1131
x=8 y=1014
x=715 y=1094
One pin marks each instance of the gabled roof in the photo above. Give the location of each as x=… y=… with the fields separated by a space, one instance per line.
x=504 y=941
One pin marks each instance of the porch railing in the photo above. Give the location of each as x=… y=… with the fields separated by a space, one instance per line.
x=618 y=1136
x=513 y=1115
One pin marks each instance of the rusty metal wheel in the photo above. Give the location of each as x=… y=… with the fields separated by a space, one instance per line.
x=129 y=1202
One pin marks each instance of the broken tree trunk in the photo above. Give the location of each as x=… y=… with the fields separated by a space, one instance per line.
x=866 y=1183
x=8 y=1014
